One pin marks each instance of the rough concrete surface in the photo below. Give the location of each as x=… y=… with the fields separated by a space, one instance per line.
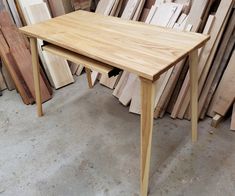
x=87 y=144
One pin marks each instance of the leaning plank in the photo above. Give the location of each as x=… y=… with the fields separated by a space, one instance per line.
x=14 y=12
x=130 y=9
x=232 y=127
x=218 y=76
x=24 y=3
x=105 y=7
x=207 y=53
x=217 y=62
x=208 y=64
x=12 y=68
x=121 y=84
x=60 y=7
x=195 y=15
x=23 y=59
x=225 y=93
x=114 y=8
x=56 y=67
x=127 y=92
x=139 y=10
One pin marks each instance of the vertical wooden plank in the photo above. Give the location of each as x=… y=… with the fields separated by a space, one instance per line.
x=88 y=75
x=36 y=74
x=193 y=69
x=147 y=109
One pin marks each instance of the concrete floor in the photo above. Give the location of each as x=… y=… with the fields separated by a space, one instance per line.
x=87 y=144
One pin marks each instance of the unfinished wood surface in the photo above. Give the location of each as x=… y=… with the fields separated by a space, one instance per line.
x=79 y=70
x=139 y=10
x=147 y=108
x=195 y=15
x=193 y=63
x=225 y=93
x=79 y=59
x=209 y=62
x=121 y=84
x=14 y=12
x=218 y=76
x=216 y=120
x=217 y=62
x=126 y=43
x=169 y=14
x=12 y=68
x=232 y=127
x=105 y=7
x=88 y=75
x=206 y=57
x=25 y=3
x=36 y=75
x=130 y=9
x=128 y=90
x=56 y=67
x=115 y=7
x=127 y=14
x=60 y=7
x=21 y=55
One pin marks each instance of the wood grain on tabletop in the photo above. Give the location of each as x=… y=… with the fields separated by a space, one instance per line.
x=146 y=50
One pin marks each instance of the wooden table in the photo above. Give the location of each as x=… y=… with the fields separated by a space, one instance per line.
x=104 y=43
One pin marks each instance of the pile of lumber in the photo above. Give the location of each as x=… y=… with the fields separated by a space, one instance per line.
x=215 y=59
x=16 y=58
x=56 y=72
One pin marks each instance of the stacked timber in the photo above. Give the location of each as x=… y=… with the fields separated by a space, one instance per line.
x=216 y=59
x=15 y=54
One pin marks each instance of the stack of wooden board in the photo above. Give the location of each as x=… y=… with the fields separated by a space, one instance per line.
x=172 y=88
x=57 y=68
x=216 y=59
x=16 y=56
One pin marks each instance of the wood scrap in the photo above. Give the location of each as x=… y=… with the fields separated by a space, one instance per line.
x=216 y=120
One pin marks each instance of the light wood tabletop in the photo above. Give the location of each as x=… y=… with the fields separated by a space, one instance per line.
x=109 y=43
x=146 y=50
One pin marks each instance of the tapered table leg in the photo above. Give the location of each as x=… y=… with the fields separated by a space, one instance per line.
x=193 y=67
x=88 y=75
x=147 y=111
x=36 y=75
